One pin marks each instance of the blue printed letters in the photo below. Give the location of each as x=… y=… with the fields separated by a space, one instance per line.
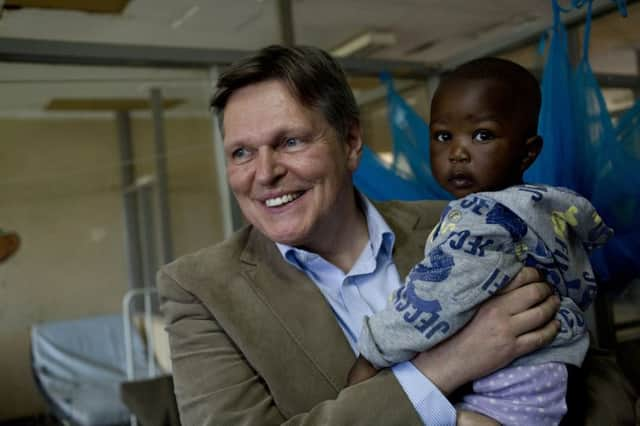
x=423 y=314
x=476 y=205
x=496 y=281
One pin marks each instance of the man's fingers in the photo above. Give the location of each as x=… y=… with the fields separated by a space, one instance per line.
x=536 y=316
x=532 y=341
x=521 y=299
x=525 y=276
x=470 y=418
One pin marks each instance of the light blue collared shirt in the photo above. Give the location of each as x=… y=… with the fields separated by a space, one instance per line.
x=364 y=290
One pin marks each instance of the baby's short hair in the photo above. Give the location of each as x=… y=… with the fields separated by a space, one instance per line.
x=517 y=78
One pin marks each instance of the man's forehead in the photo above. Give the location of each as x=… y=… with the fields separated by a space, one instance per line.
x=256 y=116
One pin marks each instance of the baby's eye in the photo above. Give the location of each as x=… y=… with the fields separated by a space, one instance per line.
x=441 y=136
x=483 y=135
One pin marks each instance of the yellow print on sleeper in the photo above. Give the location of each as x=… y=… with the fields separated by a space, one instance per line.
x=561 y=219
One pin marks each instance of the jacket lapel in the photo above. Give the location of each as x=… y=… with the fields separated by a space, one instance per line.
x=299 y=307
x=411 y=223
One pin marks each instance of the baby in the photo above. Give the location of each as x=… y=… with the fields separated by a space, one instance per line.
x=484 y=118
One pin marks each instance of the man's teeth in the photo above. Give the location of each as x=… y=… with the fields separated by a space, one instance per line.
x=278 y=201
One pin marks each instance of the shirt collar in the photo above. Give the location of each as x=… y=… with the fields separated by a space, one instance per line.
x=381 y=238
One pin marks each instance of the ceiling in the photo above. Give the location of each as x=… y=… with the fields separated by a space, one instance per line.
x=433 y=32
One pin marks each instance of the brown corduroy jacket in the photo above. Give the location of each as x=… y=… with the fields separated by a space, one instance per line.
x=254 y=342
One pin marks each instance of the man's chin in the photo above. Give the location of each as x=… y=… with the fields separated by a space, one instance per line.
x=287 y=237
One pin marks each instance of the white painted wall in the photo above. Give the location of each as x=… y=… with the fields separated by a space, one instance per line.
x=60 y=189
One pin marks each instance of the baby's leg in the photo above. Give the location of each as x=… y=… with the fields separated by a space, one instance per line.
x=524 y=395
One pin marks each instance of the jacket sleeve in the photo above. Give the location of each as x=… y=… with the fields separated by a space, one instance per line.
x=216 y=385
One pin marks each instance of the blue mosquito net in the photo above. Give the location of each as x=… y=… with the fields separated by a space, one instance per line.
x=380 y=182
x=609 y=177
x=410 y=135
x=556 y=164
x=617 y=195
x=582 y=150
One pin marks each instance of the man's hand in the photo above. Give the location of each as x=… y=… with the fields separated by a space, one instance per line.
x=361 y=370
x=513 y=323
x=469 y=418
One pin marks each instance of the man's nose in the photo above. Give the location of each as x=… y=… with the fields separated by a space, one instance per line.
x=458 y=152
x=268 y=167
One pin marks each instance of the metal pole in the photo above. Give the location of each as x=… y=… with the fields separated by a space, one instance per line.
x=148 y=230
x=148 y=308
x=128 y=344
x=231 y=215
x=82 y=53
x=132 y=226
x=162 y=176
x=285 y=17
x=431 y=86
x=636 y=90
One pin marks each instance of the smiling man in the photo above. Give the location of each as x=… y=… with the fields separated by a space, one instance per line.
x=291 y=171
x=263 y=327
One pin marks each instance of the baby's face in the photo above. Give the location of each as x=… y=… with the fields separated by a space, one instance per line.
x=477 y=141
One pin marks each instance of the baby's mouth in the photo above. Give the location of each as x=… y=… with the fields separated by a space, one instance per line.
x=460 y=180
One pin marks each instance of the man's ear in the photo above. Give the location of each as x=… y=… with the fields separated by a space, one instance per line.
x=532 y=148
x=354 y=147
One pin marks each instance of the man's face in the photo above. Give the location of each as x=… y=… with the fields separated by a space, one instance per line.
x=477 y=142
x=288 y=170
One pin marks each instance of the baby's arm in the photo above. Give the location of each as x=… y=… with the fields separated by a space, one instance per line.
x=468 y=259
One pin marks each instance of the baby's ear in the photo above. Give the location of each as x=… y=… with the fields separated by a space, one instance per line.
x=532 y=148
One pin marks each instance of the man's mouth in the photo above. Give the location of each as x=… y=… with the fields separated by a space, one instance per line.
x=282 y=200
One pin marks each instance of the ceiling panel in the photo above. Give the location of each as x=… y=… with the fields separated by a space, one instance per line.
x=94 y=6
x=440 y=32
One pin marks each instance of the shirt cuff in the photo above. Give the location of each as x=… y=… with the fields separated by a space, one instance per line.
x=430 y=404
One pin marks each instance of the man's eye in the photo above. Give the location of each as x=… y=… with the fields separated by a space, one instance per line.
x=292 y=144
x=442 y=136
x=240 y=155
x=483 y=135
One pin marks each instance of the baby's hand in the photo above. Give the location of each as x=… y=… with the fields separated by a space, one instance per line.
x=361 y=370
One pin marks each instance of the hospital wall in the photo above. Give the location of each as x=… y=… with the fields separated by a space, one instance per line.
x=60 y=188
